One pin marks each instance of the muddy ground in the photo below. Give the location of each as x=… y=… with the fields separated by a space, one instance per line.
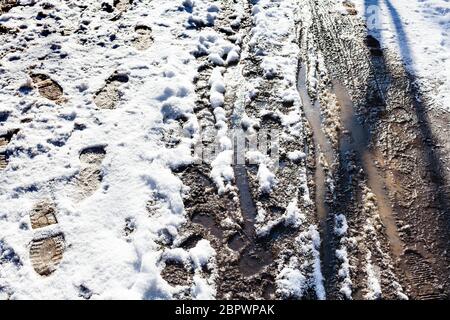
x=402 y=153
x=377 y=156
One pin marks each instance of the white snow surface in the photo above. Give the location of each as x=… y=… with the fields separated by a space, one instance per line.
x=136 y=169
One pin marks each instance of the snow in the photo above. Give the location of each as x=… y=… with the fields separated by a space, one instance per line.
x=273 y=40
x=150 y=285
x=137 y=166
x=265 y=175
x=203 y=13
x=290 y=281
x=202 y=253
x=249 y=123
x=272 y=22
x=295 y=278
x=419 y=32
x=373 y=283
x=266 y=179
x=260 y=216
x=221 y=172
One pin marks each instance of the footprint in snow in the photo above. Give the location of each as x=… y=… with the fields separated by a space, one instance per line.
x=4 y=140
x=143 y=38
x=121 y=6
x=109 y=95
x=90 y=177
x=48 y=87
x=46 y=251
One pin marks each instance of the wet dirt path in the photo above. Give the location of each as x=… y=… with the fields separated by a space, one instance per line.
x=323 y=152
x=255 y=256
x=387 y=132
x=356 y=139
x=241 y=258
x=349 y=175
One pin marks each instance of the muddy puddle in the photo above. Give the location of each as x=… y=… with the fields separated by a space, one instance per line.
x=324 y=151
x=312 y=112
x=256 y=254
x=356 y=139
x=209 y=224
x=321 y=143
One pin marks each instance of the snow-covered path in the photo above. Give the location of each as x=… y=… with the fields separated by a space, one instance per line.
x=80 y=46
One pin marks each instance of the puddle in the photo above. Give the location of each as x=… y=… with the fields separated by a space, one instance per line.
x=209 y=224
x=237 y=242
x=312 y=112
x=254 y=257
x=357 y=139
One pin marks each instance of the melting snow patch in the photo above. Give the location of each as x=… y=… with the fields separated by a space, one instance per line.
x=266 y=179
x=373 y=282
x=290 y=281
x=297 y=278
x=137 y=168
